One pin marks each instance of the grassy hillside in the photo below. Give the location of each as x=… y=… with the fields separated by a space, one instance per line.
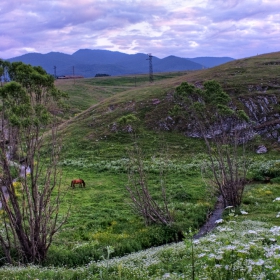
x=102 y=224
x=244 y=77
x=83 y=93
x=101 y=214
x=89 y=136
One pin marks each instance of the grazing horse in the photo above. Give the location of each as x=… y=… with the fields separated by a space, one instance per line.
x=81 y=182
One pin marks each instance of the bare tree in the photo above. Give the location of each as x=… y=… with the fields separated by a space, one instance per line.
x=212 y=116
x=143 y=203
x=30 y=179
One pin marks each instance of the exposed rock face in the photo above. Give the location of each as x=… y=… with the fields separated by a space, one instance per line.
x=261 y=109
x=261 y=149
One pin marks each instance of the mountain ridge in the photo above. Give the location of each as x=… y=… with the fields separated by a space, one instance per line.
x=88 y=63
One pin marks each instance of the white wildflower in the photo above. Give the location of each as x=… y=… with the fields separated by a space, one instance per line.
x=230 y=247
x=219 y=221
x=223 y=229
x=252 y=243
x=275 y=230
x=243 y=251
x=252 y=232
x=259 y=262
x=276 y=199
x=243 y=212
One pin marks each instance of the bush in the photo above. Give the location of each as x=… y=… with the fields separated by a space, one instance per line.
x=72 y=258
x=259 y=171
x=275 y=180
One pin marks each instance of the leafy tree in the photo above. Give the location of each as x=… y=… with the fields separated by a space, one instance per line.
x=3 y=70
x=29 y=152
x=212 y=116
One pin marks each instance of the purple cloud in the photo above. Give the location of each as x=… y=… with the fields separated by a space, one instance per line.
x=236 y=28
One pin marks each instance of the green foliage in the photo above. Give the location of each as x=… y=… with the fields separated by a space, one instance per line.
x=17 y=105
x=269 y=168
x=27 y=97
x=242 y=115
x=128 y=119
x=99 y=209
x=81 y=254
x=153 y=166
x=236 y=250
x=212 y=102
x=213 y=94
x=184 y=90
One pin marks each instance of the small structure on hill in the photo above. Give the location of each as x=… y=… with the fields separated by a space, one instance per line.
x=70 y=77
x=102 y=75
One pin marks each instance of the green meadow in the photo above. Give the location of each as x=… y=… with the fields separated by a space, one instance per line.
x=104 y=238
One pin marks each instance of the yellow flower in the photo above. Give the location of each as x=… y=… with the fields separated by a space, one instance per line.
x=268 y=192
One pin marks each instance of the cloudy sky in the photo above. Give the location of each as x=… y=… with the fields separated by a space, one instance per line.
x=185 y=28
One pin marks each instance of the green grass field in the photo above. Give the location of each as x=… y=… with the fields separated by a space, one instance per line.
x=102 y=224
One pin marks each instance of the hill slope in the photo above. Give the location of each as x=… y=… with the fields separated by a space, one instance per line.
x=252 y=82
x=209 y=62
x=95 y=146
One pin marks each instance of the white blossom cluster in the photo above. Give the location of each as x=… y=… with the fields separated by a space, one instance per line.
x=240 y=249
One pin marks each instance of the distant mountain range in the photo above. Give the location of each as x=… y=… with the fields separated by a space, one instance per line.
x=88 y=63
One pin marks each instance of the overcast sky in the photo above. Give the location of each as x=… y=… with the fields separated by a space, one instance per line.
x=184 y=28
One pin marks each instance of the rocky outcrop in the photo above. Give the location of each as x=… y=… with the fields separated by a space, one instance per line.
x=262 y=110
x=261 y=149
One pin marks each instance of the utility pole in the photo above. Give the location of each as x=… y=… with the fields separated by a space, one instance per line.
x=150 y=67
x=74 y=74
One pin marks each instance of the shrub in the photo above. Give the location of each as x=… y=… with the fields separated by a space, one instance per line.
x=259 y=171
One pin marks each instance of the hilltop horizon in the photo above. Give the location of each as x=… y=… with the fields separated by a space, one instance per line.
x=88 y=63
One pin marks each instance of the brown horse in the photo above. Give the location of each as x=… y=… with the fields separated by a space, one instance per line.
x=81 y=182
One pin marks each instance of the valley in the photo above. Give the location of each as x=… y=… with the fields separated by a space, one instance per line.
x=104 y=238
